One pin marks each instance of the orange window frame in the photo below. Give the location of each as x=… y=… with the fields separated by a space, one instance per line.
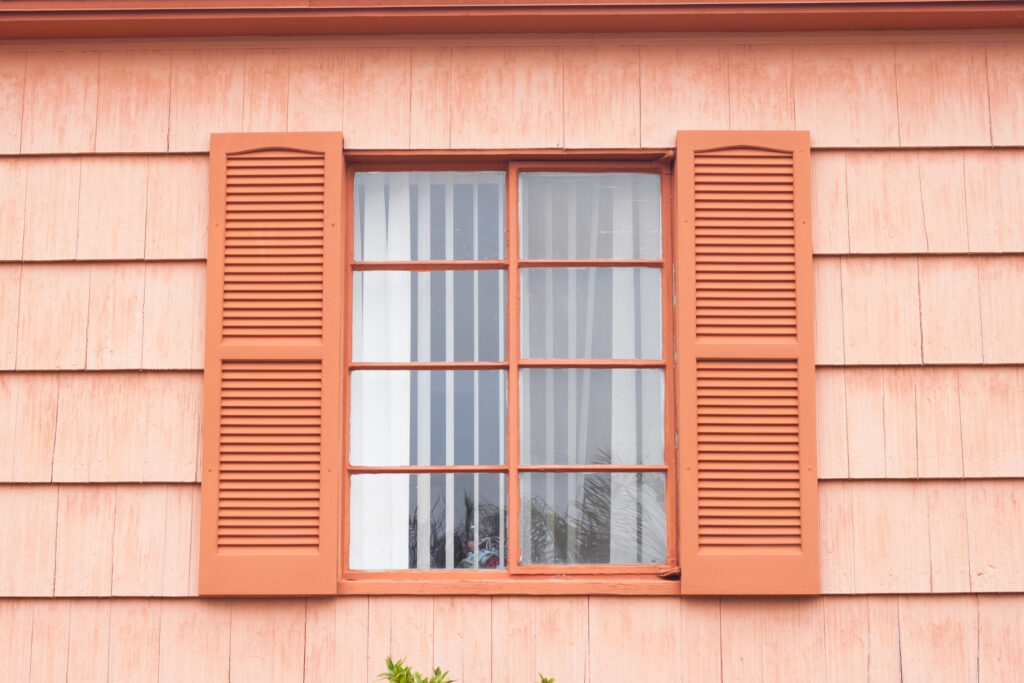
x=515 y=578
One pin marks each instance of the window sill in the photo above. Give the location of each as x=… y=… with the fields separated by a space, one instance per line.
x=546 y=585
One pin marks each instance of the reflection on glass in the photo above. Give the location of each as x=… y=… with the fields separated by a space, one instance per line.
x=592 y=518
x=573 y=416
x=590 y=215
x=401 y=316
x=427 y=417
x=427 y=521
x=435 y=215
x=591 y=313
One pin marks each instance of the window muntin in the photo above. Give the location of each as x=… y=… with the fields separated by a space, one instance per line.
x=611 y=306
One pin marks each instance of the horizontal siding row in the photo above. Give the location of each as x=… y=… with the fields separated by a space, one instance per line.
x=103 y=207
x=863 y=202
x=898 y=537
x=873 y=423
x=146 y=428
x=66 y=538
x=958 y=639
x=904 y=310
x=432 y=95
x=102 y=316
x=917 y=201
x=929 y=422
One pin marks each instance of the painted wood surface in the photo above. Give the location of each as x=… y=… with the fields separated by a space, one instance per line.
x=920 y=440
x=863 y=202
x=849 y=93
x=147 y=315
x=928 y=422
x=923 y=422
x=894 y=311
x=103 y=208
x=901 y=310
x=948 y=638
x=923 y=536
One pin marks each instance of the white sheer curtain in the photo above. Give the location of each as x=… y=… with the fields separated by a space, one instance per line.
x=384 y=410
x=404 y=417
x=592 y=313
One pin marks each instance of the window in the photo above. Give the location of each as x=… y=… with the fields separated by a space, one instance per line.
x=509 y=373
x=510 y=342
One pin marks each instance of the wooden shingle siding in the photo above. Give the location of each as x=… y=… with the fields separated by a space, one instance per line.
x=896 y=310
x=59 y=108
x=927 y=422
x=917 y=201
x=950 y=638
x=316 y=89
x=1006 y=97
x=487 y=107
x=145 y=430
x=56 y=313
x=100 y=540
x=919 y=257
x=849 y=93
x=12 y=94
x=132 y=111
x=609 y=75
x=914 y=422
x=117 y=207
x=207 y=96
x=924 y=536
x=888 y=202
x=887 y=304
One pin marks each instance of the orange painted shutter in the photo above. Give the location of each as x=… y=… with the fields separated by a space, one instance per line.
x=744 y=339
x=272 y=413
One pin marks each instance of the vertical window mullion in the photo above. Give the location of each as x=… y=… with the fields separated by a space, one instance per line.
x=512 y=346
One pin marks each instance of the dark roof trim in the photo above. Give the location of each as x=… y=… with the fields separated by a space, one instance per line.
x=30 y=19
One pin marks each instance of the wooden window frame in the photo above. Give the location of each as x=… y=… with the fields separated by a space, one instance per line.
x=515 y=578
x=745 y=484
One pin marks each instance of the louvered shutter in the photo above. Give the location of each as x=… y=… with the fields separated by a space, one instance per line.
x=744 y=338
x=272 y=373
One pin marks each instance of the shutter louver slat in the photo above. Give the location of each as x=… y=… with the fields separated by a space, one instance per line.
x=748 y=487
x=751 y=259
x=272 y=372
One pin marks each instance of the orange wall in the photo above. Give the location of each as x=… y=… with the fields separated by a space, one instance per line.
x=919 y=267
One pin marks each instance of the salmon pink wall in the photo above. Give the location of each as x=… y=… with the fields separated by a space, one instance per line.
x=919 y=265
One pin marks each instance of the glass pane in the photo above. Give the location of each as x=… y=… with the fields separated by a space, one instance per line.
x=591 y=313
x=590 y=215
x=428 y=521
x=449 y=315
x=436 y=215
x=581 y=416
x=428 y=417
x=592 y=518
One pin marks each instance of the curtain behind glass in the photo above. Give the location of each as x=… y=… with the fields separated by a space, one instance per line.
x=409 y=216
x=617 y=416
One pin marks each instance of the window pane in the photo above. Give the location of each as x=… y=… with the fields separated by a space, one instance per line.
x=581 y=416
x=592 y=518
x=591 y=313
x=438 y=215
x=401 y=316
x=428 y=417
x=590 y=215
x=427 y=521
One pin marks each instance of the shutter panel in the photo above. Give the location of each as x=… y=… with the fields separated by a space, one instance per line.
x=271 y=437
x=744 y=338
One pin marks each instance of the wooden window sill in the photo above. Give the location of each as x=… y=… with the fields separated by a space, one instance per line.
x=547 y=585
